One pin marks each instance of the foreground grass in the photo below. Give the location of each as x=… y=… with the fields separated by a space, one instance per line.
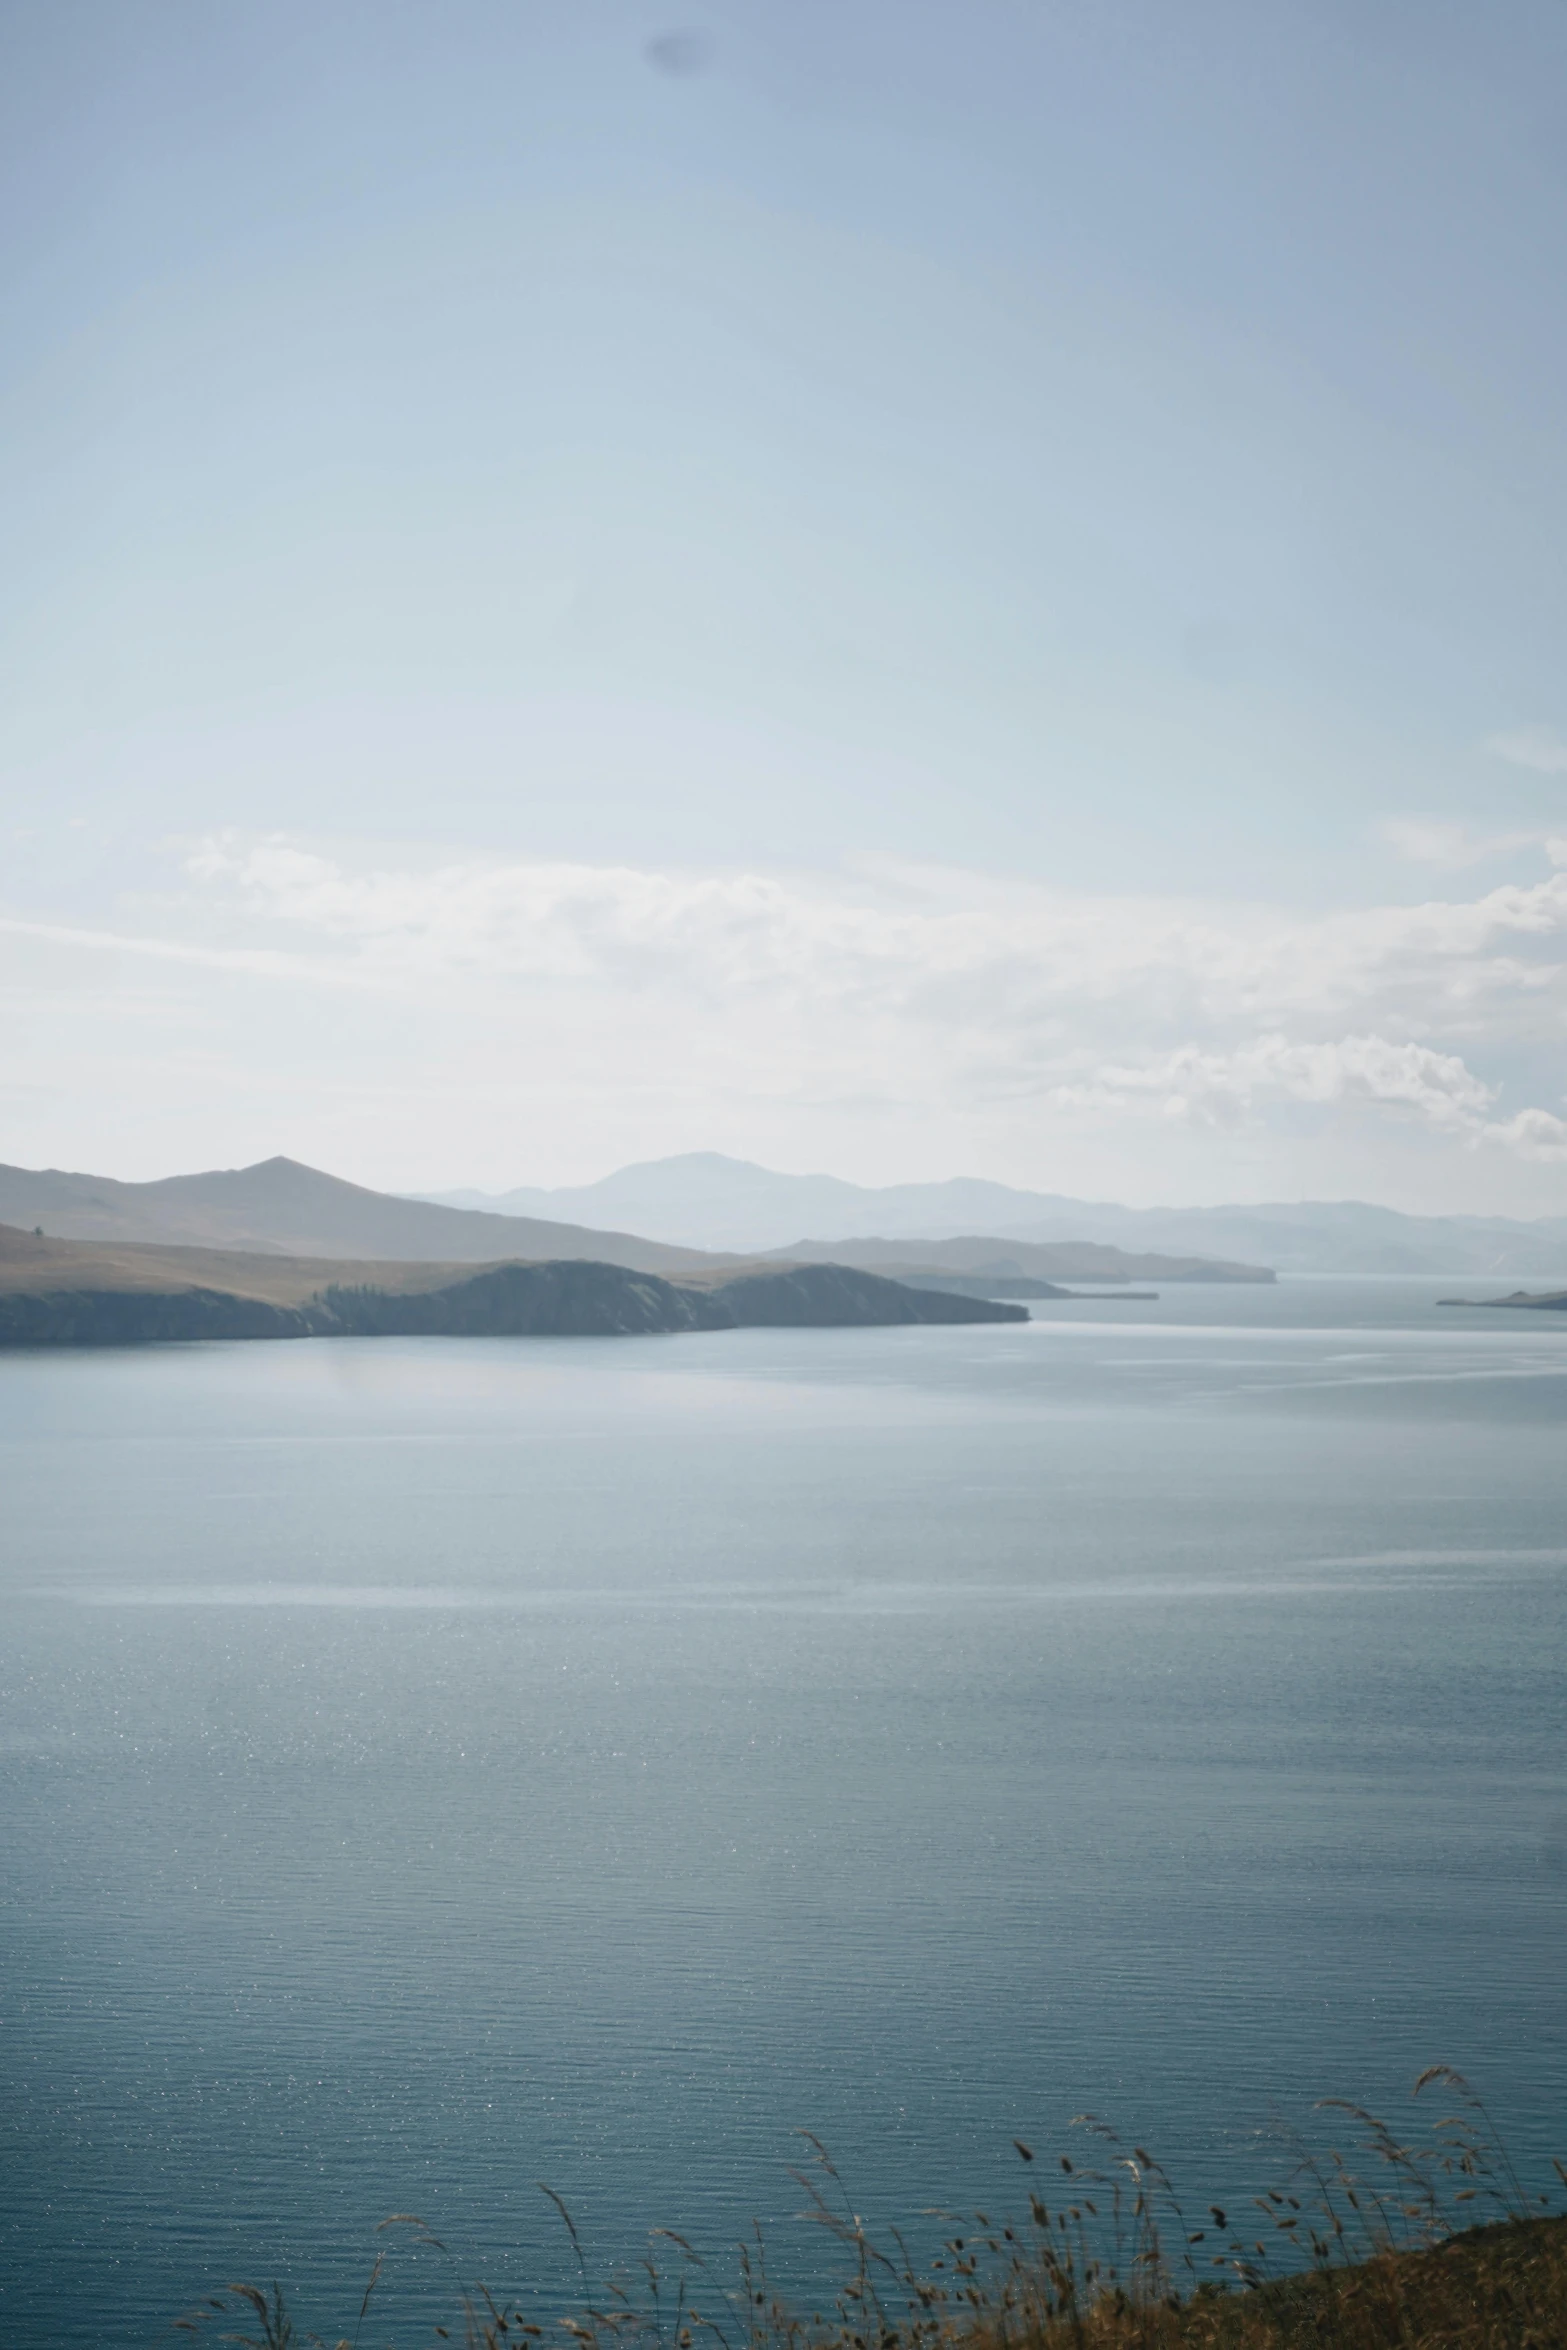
x=1497 y=2288
x=1381 y=2251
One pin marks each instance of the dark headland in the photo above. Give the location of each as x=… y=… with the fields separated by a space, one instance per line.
x=78 y=1293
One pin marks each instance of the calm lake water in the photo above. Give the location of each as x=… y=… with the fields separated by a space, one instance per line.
x=436 y=1766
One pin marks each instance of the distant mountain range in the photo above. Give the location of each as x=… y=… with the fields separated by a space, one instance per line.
x=279 y=1208
x=701 y=1212
x=704 y=1200
x=741 y=1206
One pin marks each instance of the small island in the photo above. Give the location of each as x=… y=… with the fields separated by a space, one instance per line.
x=1552 y=1301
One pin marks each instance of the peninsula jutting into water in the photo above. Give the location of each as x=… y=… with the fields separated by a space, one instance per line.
x=71 y=1293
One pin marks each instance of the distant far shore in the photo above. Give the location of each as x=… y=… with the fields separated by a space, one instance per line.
x=1552 y=1301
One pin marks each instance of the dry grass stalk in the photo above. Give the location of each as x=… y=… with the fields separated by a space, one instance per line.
x=1431 y=2246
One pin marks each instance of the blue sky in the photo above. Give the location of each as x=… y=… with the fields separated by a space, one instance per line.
x=912 y=588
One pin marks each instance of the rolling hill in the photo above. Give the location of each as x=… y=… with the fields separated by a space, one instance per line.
x=279 y=1207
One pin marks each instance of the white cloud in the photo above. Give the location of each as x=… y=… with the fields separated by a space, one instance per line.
x=922 y=985
x=1533 y=1134
x=1220 y=1088
x=1539 y=747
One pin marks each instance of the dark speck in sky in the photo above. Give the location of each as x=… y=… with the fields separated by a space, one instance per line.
x=681 y=52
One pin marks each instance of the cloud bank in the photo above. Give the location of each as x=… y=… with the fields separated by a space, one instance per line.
x=949 y=988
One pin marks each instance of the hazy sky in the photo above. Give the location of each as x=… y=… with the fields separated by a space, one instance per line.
x=904 y=587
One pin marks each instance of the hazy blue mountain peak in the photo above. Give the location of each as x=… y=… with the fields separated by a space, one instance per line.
x=706 y=1199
